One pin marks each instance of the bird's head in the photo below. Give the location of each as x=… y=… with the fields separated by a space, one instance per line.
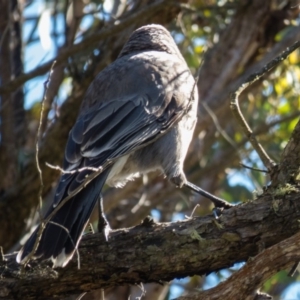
x=150 y=37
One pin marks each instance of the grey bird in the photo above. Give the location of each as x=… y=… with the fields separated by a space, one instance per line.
x=138 y=115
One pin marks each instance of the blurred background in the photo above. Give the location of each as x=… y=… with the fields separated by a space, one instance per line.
x=229 y=39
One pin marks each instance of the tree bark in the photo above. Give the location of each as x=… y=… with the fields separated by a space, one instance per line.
x=160 y=252
x=257 y=270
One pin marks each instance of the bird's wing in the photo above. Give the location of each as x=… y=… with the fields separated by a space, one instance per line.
x=114 y=129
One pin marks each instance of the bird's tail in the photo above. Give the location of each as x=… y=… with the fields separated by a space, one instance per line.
x=62 y=234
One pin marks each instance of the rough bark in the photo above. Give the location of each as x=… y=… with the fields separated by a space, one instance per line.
x=256 y=271
x=161 y=252
x=289 y=168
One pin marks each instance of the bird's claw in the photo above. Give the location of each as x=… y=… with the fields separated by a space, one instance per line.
x=217 y=212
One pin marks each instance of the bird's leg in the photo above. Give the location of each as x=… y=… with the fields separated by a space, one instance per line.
x=178 y=178
x=103 y=225
x=218 y=202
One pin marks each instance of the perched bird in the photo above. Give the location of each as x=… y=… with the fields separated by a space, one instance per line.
x=138 y=115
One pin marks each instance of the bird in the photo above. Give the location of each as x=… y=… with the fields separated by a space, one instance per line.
x=138 y=115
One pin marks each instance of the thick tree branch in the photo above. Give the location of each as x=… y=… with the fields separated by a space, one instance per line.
x=257 y=270
x=195 y=246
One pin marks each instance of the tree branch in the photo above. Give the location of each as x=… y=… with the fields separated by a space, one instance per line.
x=88 y=42
x=218 y=99
x=234 y=105
x=289 y=168
x=257 y=270
x=194 y=246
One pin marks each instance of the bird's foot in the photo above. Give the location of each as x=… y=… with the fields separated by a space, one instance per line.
x=217 y=212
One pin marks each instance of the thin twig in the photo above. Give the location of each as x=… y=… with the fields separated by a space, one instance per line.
x=81 y=296
x=293 y=269
x=143 y=197
x=234 y=105
x=102 y=294
x=90 y=226
x=46 y=221
x=90 y=41
x=254 y=169
x=218 y=126
x=1 y=254
x=38 y=138
x=142 y=288
x=74 y=171
x=227 y=137
x=193 y=211
x=264 y=127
